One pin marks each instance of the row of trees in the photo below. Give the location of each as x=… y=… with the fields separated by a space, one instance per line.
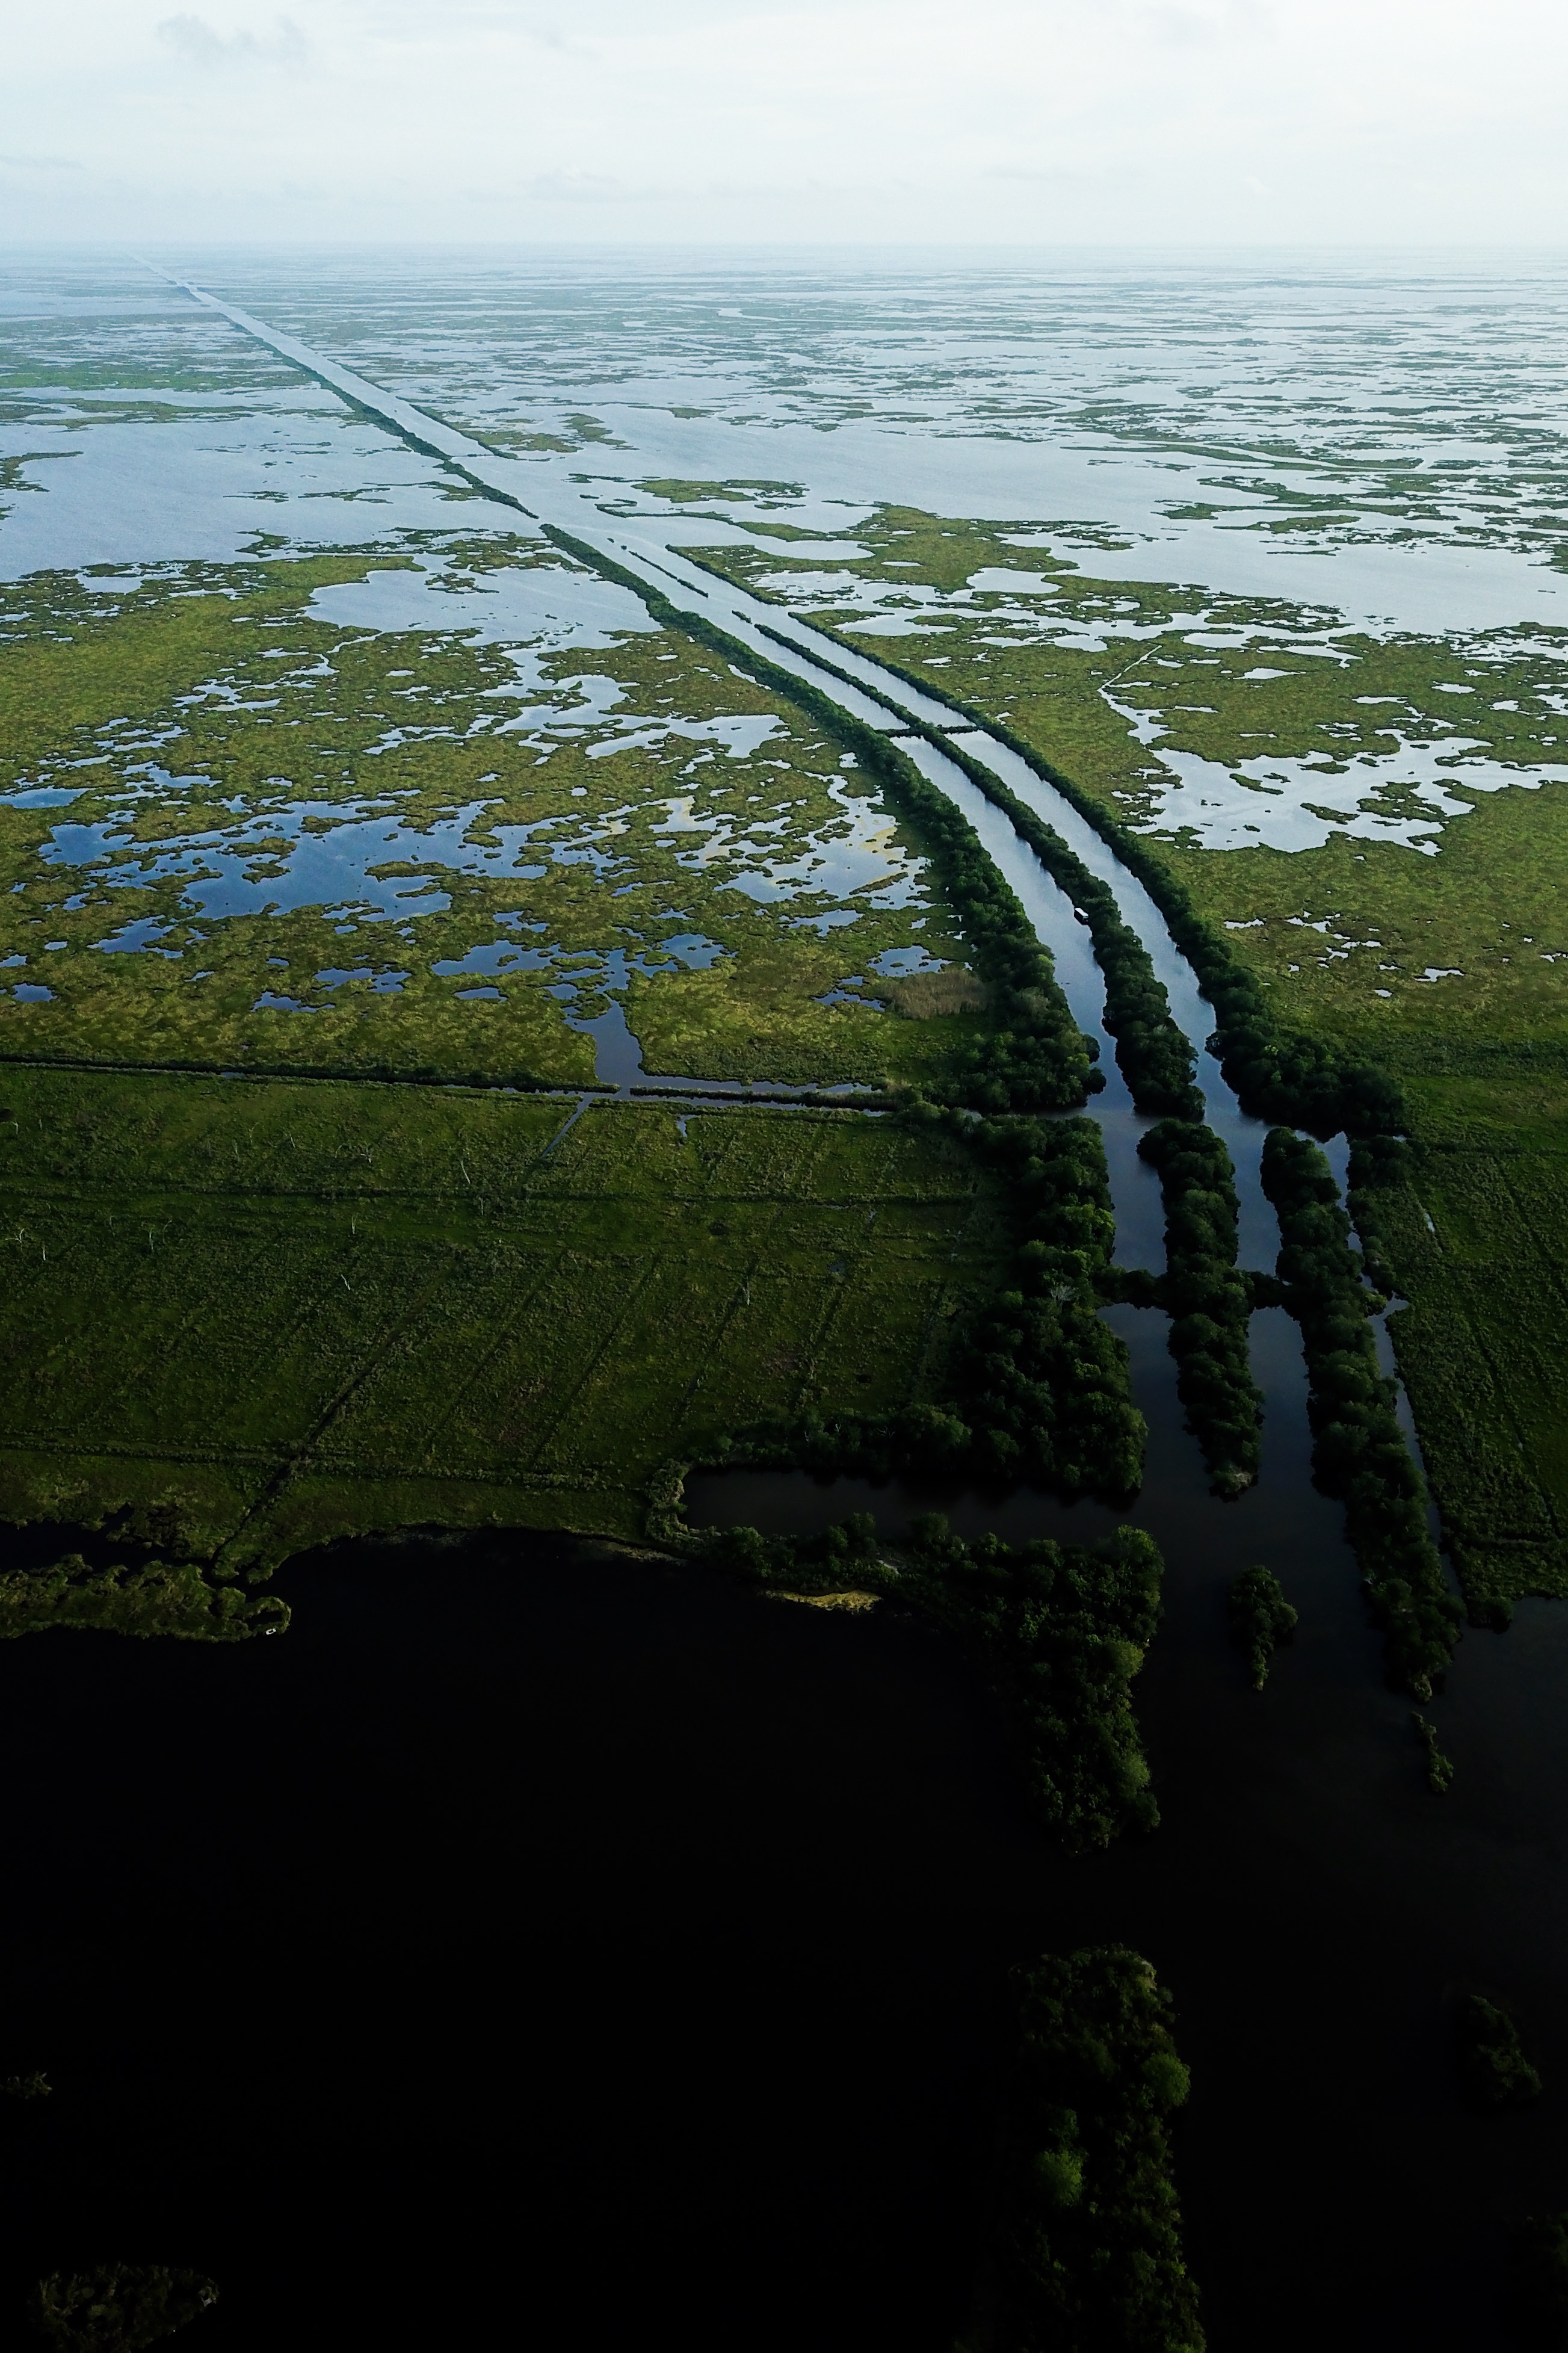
x=158 y=1598
x=1058 y=1630
x=1260 y=1620
x=1359 y=1449
x=1209 y=1300
x=1278 y=1073
x=1088 y=2257
x=1153 y=1055
x=1039 y=1375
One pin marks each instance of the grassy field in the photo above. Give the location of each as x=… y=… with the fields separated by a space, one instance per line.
x=241 y=824
x=1423 y=930
x=1478 y=1241
x=244 y=1316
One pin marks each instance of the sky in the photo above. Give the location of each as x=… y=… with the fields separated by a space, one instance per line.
x=1027 y=122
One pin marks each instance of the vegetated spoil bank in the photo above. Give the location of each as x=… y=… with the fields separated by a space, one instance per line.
x=1303 y=1913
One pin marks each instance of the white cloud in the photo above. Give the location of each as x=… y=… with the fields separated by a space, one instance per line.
x=195 y=38
x=1142 y=122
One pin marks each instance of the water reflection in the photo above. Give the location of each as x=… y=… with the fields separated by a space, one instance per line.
x=1158 y=423
x=1315 y=1908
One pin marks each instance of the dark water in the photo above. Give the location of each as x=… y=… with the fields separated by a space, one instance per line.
x=538 y=1942
x=1315 y=1909
x=534 y=1945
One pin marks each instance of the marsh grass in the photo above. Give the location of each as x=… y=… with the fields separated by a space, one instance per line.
x=930 y=995
x=1233 y=679
x=297 y=842
x=242 y=1316
x=1475 y=1230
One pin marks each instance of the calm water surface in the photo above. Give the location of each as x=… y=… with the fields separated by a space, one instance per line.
x=1315 y=1910
x=535 y=1945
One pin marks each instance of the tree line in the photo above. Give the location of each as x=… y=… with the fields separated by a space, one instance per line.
x=1153 y=1054
x=1087 y=2256
x=1058 y=1631
x=1359 y=1451
x=1276 y=1073
x=1209 y=1300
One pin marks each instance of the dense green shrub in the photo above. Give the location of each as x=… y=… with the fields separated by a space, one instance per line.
x=159 y=1598
x=1260 y=1620
x=1493 y=2070
x=1088 y=2257
x=1538 y=2282
x=1377 y=1164
x=1060 y=1630
x=1439 y=1768
x=1359 y=1450
x=116 y=2307
x=1038 y=1376
x=1210 y=1302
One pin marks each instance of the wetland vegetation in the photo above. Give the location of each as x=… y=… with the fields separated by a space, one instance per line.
x=1359 y=1449
x=1332 y=822
x=1089 y=2253
x=1210 y=1300
x=243 y=1316
x=1260 y=1620
x=1494 y=2071
x=156 y=1599
x=246 y=824
x=118 y=2307
x=1058 y=1631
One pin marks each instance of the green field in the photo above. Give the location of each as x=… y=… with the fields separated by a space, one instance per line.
x=1478 y=1241
x=244 y=1316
